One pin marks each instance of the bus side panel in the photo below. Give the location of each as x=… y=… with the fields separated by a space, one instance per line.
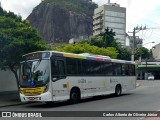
x=127 y=82
x=91 y=86
x=61 y=88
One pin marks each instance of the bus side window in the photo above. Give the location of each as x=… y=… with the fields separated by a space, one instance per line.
x=58 y=68
x=132 y=70
x=127 y=70
x=117 y=69
x=123 y=70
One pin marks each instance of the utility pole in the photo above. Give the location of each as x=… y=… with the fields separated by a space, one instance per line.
x=135 y=30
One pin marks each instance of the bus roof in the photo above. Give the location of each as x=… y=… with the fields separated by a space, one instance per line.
x=83 y=56
x=122 y=61
x=87 y=56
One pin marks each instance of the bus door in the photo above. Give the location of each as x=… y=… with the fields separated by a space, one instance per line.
x=58 y=77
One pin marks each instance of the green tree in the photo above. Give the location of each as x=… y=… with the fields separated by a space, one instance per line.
x=105 y=39
x=87 y=48
x=124 y=54
x=9 y=14
x=143 y=53
x=58 y=46
x=17 y=38
x=108 y=38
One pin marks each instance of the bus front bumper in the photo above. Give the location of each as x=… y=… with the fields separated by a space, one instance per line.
x=42 y=98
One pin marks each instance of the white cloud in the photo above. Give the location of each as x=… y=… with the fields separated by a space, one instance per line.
x=24 y=8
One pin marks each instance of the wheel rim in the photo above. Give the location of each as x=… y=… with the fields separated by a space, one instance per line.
x=74 y=97
x=118 y=90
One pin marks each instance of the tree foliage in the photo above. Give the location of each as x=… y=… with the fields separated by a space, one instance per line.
x=17 y=38
x=124 y=54
x=9 y=14
x=106 y=39
x=87 y=48
x=142 y=52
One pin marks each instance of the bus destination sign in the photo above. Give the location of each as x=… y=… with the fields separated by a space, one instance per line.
x=38 y=55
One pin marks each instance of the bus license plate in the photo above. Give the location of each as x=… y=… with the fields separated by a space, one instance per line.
x=33 y=98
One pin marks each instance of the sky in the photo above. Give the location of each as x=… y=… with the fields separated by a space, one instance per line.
x=139 y=13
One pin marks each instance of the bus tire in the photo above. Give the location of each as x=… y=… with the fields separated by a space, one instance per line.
x=75 y=95
x=118 y=90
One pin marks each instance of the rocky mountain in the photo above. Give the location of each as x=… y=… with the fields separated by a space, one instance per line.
x=61 y=20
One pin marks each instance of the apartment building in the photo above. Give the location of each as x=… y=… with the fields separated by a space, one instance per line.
x=113 y=16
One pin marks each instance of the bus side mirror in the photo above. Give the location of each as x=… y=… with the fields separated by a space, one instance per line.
x=54 y=79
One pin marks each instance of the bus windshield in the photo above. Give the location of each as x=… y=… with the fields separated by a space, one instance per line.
x=34 y=73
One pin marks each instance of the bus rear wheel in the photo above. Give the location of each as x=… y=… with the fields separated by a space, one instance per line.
x=74 y=96
x=118 y=90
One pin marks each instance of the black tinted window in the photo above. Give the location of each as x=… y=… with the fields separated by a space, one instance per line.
x=58 y=68
x=117 y=69
x=71 y=64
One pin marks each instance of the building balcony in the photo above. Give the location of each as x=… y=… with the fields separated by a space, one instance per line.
x=99 y=21
x=98 y=27
x=97 y=16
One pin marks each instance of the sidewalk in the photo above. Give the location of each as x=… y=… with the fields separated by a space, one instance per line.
x=9 y=99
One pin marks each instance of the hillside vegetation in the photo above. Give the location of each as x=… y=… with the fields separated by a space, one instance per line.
x=80 y=6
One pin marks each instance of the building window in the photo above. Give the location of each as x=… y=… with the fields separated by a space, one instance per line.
x=114 y=25
x=114 y=19
x=116 y=14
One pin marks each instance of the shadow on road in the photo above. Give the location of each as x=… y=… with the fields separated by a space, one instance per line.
x=66 y=103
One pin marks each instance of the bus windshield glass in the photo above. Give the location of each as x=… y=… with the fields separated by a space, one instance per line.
x=34 y=73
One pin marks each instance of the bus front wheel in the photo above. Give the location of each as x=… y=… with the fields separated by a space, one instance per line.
x=74 y=96
x=118 y=90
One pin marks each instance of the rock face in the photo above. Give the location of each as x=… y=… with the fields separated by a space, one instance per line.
x=58 y=24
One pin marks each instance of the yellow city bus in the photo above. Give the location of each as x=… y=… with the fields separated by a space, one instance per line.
x=50 y=76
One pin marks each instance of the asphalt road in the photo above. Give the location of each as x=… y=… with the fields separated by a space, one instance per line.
x=146 y=97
